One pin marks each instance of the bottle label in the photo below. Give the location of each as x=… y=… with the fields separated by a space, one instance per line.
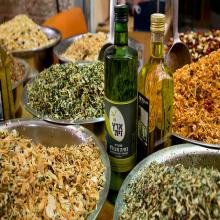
x=120 y=124
x=1 y=105
x=143 y=121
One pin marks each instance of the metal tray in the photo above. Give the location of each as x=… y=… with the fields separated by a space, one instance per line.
x=187 y=154
x=56 y=135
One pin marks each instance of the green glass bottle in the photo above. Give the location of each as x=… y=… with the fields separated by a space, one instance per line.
x=120 y=102
x=155 y=95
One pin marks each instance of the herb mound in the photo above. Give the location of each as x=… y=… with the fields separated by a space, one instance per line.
x=69 y=91
x=173 y=192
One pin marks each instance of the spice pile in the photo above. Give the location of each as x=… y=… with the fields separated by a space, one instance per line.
x=196 y=111
x=86 y=48
x=173 y=192
x=69 y=91
x=199 y=43
x=48 y=183
x=22 y=33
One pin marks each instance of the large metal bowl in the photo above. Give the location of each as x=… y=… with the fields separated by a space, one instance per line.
x=40 y=58
x=96 y=125
x=187 y=154
x=56 y=135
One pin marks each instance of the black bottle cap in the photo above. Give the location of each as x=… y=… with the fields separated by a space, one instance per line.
x=121 y=13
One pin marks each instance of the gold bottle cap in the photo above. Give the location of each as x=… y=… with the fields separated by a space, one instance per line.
x=157 y=22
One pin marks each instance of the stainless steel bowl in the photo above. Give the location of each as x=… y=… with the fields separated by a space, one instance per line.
x=17 y=87
x=178 y=139
x=187 y=154
x=40 y=58
x=61 y=47
x=56 y=135
x=96 y=125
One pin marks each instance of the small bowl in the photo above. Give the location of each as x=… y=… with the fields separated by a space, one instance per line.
x=186 y=154
x=56 y=135
x=40 y=58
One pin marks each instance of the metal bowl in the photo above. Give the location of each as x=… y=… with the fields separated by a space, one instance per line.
x=42 y=57
x=17 y=87
x=60 y=48
x=187 y=154
x=96 y=125
x=178 y=139
x=56 y=135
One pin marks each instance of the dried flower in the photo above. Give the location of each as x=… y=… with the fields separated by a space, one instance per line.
x=37 y=182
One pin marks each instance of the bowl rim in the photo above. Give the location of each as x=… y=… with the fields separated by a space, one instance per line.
x=160 y=156
x=189 y=140
x=24 y=101
x=80 y=131
x=50 y=45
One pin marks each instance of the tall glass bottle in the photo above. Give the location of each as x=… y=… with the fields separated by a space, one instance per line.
x=120 y=102
x=155 y=95
x=7 y=110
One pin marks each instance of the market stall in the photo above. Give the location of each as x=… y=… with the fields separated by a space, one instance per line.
x=68 y=121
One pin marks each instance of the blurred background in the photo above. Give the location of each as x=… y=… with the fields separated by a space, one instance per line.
x=193 y=14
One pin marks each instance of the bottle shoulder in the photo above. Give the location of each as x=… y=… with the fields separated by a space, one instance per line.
x=157 y=67
x=120 y=51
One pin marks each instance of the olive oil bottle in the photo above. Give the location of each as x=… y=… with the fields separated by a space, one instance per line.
x=7 y=110
x=155 y=95
x=120 y=102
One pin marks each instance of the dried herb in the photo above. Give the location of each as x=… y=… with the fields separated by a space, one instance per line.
x=173 y=192
x=69 y=91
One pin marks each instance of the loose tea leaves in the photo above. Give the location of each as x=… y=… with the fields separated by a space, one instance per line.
x=173 y=192
x=69 y=91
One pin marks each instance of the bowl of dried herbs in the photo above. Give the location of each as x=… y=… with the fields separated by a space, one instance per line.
x=179 y=182
x=68 y=94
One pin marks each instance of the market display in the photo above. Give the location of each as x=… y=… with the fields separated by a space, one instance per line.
x=48 y=183
x=21 y=33
x=86 y=48
x=196 y=112
x=199 y=43
x=172 y=192
x=69 y=91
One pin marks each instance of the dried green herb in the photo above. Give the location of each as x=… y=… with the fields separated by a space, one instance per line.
x=69 y=91
x=173 y=192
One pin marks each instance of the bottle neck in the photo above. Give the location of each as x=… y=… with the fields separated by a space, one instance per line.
x=121 y=34
x=157 y=50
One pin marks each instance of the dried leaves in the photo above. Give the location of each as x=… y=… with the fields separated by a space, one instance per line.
x=173 y=192
x=41 y=183
x=69 y=91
